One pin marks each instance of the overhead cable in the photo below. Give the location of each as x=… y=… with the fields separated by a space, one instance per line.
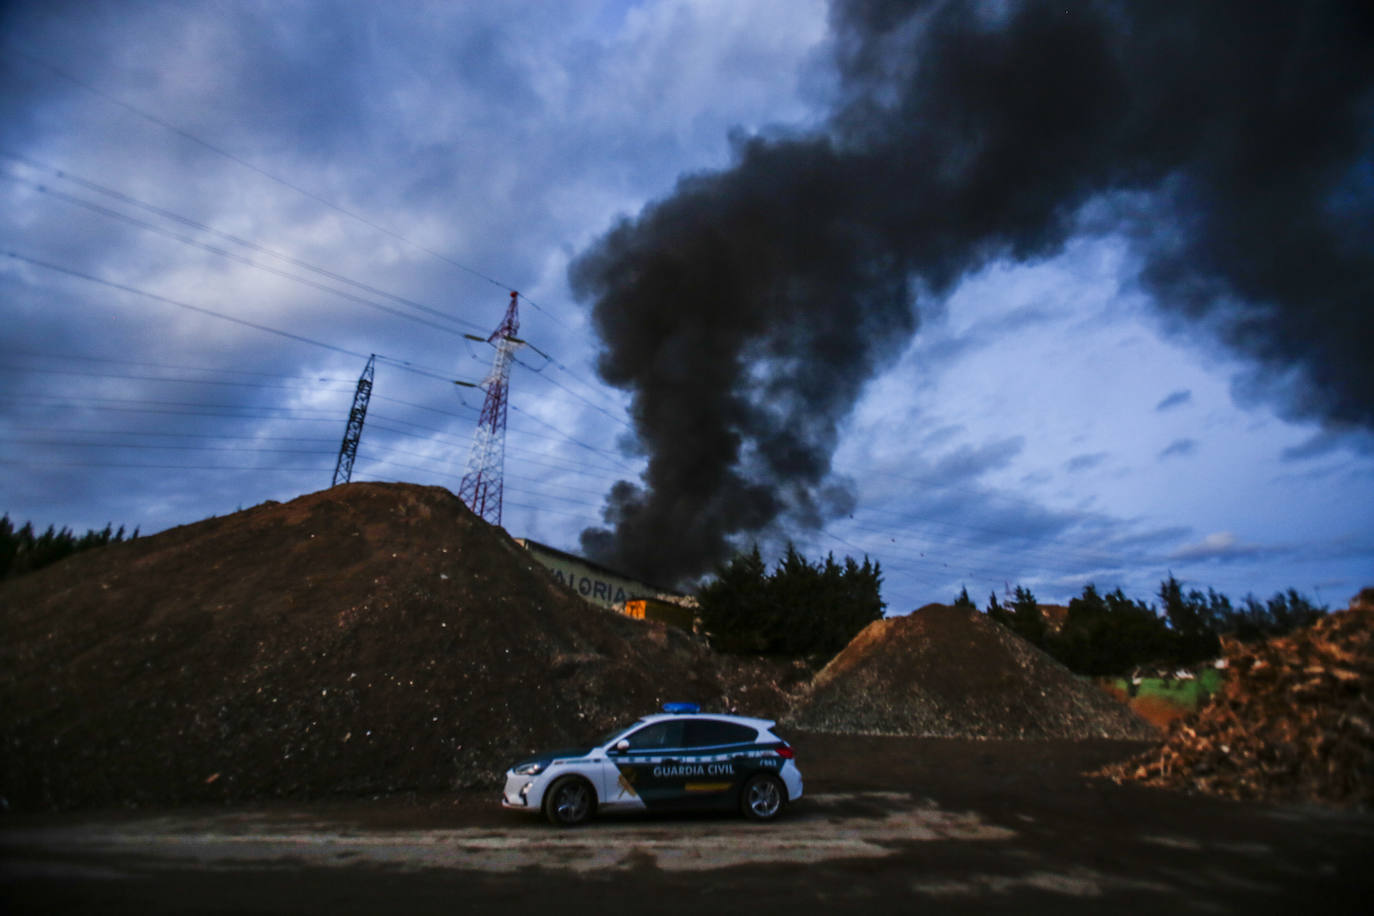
x=187 y=135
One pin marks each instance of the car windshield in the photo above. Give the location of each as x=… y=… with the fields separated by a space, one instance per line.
x=616 y=733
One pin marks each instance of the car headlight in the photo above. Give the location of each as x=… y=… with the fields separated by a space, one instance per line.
x=530 y=769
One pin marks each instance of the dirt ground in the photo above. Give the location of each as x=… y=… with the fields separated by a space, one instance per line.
x=888 y=825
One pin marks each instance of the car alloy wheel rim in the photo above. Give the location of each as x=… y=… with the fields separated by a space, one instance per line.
x=572 y=803
x=763 y=798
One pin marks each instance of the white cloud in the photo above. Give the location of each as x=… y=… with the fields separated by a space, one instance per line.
x=1220 y=545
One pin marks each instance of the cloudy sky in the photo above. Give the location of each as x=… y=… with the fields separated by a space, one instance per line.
x=905 y=282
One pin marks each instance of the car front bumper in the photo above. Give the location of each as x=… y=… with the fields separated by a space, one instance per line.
x=520 y=793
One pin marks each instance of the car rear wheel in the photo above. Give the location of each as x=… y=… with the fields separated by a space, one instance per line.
x=762 y=798
x=569 y=802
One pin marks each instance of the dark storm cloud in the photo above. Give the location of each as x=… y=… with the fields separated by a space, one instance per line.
x=745 y=311
x=1176 y=399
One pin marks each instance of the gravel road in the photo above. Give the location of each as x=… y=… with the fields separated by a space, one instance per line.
x=944 y=826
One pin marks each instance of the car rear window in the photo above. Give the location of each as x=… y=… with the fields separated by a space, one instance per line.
x=710 y=732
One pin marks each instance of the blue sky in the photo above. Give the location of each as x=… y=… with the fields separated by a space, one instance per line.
x=1048 y=423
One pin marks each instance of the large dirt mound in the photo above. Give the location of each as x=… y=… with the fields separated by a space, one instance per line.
x=371 y=638
x=948 y=672
x=1295 y=721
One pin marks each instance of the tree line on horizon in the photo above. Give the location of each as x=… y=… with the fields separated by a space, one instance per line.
x=807 y=610
x=23 y=551
x=1111 y=634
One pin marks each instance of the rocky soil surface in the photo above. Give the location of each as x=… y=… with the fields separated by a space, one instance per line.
x=949 y=672
x=367 y=639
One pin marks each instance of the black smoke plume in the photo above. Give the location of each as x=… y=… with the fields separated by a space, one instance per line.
x=745 y=312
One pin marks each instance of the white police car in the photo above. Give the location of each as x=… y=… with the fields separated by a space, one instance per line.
x=682 y=758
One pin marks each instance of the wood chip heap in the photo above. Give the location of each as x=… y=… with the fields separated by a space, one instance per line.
x=1292 y=724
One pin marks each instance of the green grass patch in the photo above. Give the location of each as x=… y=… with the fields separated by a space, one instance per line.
x=1186 y=694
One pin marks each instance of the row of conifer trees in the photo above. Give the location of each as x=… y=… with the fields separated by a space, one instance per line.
x=1109 y=633
x=21 y=550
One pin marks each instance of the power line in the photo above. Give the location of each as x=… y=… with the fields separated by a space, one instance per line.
x=906 y=519
x=229 y=255
x=71 y=403
x=187 y=135
x=247 y=243
x=171 y=215
x=442 y=436
x=148 y=446
x=143 y=224
x=155 y=467
x=300 y=338
x=179 y=381
x=583 y=398
x=185 y=305
x=126 y=362
x=411 y=367
x=83 y=431
x=565 y=435
x=255 y=411
x=437 y=410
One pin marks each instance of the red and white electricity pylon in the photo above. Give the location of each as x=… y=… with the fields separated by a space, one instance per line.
x=481 y=486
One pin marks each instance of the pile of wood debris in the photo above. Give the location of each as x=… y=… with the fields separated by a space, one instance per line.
x=1295 y=721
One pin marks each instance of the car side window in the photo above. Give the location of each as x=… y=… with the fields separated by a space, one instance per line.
x=712 y=733
x=657 y=736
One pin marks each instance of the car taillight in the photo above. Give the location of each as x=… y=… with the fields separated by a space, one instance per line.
x=786 y=752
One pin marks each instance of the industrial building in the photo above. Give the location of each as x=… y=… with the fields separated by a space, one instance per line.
x=610 y=589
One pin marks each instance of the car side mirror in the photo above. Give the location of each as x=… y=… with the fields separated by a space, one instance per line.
x=622 y=746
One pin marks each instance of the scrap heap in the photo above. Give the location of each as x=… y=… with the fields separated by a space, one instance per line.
x=1294 y=722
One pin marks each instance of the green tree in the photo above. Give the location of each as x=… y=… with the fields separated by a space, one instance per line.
x=1026 y=618
x=1291 y=610
x=963 y=600
x=22 y=551
x=734 y=604
x=996 y=612
x=801 y=610
x=1192 y=621
x=1109 y=634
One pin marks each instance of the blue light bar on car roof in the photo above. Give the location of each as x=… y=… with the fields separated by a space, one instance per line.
x=681 y=707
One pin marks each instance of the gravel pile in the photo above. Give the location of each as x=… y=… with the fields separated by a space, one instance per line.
x=950 y=672
x=367 y=639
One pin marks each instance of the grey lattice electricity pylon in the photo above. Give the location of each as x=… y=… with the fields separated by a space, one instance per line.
x=482 y=484
x=353 y=432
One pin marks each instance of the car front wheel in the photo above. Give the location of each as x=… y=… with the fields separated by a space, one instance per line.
x=762 y=798
x=569 y=802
